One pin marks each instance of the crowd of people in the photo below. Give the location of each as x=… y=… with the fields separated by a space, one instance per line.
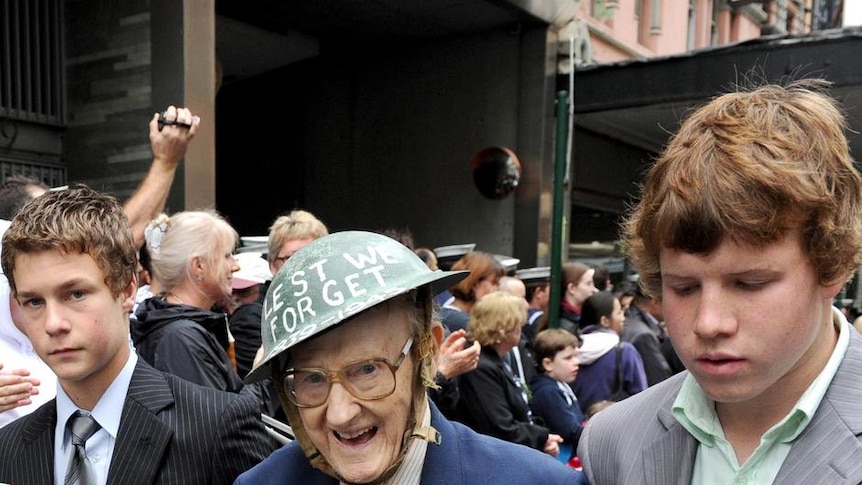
x=141 y=347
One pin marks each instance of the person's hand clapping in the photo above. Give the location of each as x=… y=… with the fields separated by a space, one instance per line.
x=455 y=358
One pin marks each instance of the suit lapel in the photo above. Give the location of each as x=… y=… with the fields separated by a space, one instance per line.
x=143 y=438
x=37 y=445
x=674 y=441
x=828 y=450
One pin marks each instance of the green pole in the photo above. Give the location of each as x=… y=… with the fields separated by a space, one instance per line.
x=557 y=221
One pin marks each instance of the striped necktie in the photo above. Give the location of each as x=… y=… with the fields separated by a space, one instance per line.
x=80 y=471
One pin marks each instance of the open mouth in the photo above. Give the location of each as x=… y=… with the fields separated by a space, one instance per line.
x=356 y=438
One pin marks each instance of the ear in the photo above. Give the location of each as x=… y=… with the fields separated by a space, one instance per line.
x=830 y=290
x=129 y=294
x=197 y=265
x=547 y=364
x=437 y=333
x=15 y=311
x=605 y=321
x=197 y=269
x=437 y=336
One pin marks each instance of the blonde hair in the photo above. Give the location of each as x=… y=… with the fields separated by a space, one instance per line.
x=299 y=224
x=173 y=242
x=494 y=316
x=749 y=167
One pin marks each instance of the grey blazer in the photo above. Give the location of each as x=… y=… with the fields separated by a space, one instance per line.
x=171 y=431
x=638 y=442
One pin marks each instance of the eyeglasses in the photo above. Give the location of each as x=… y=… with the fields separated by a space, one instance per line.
x=368 y=380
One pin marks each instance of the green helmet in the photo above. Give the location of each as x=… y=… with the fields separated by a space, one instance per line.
x=332 y=279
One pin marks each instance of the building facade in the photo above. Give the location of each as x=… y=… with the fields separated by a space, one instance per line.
x=377 y=112
x=621 y=30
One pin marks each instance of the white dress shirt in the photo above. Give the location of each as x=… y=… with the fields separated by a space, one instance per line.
x=107 y=412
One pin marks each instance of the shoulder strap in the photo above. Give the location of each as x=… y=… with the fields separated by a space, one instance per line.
x=618 y=378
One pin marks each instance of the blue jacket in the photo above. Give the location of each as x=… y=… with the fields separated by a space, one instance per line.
x=463 y=457
x=549 y=403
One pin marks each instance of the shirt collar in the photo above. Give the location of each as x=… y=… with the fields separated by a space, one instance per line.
x=696 y=411
x=108 y=409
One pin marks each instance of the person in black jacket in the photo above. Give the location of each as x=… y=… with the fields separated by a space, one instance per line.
x=249 y=288
x=493 y=401
x=176 y=331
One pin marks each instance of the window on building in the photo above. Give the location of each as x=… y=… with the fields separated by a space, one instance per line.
x=31 y=60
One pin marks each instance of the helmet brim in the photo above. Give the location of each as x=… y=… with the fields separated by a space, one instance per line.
x=438 y=281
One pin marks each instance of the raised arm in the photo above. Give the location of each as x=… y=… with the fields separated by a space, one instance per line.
x=168 y=143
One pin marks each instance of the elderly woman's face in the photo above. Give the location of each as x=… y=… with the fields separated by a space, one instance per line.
x=360 y=438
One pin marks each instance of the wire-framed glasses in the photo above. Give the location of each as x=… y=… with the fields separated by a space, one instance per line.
x=367 y=379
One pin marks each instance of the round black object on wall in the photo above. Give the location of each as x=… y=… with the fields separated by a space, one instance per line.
x=496 y=172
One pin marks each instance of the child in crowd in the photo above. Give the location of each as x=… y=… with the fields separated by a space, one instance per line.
x=556 y=353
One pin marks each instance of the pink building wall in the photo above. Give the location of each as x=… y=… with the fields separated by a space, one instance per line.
x=630 y=29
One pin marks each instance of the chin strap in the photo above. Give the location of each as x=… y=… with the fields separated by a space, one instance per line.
x=427 y=433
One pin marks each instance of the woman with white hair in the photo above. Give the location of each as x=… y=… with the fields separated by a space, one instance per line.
x=177 y=330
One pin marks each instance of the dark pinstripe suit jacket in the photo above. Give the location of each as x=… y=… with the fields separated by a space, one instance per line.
x=171 y=431
x=638 y=441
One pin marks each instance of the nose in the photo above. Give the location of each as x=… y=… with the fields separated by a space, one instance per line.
x=55 y=321
x=341 y=407
x=234 y=266
x=712 y=318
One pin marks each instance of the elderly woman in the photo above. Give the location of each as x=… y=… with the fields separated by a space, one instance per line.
x=176 y=331
x=493 y=401
x=349 y=338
